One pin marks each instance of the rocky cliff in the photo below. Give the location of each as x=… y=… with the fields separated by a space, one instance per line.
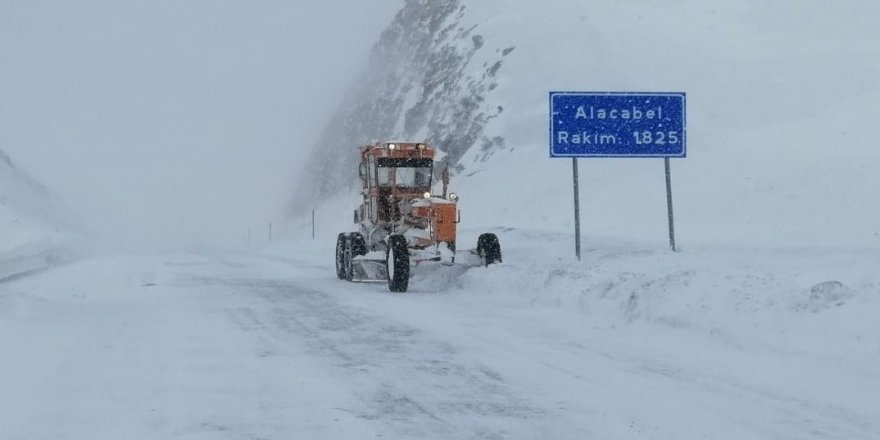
x=421 y=83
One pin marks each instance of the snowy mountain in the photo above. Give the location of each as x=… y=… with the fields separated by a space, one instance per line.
x=422 y=82
x=779 y=109
x=36 y=227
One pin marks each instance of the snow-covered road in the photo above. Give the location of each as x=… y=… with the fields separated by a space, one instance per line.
x=259 y=347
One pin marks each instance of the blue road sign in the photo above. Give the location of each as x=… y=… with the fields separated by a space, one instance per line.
x=617 y=124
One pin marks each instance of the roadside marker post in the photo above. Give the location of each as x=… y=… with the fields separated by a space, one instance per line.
x=618 y=125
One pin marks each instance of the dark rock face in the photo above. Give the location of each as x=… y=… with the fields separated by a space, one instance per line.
x=419 y=85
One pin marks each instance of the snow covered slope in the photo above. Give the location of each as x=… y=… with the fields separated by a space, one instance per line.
x=780 y=108
x=35 y=228
x=422 y=82
x=781 y=100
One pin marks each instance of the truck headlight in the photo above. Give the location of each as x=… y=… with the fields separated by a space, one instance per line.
x=426 y=195
x=453 y=197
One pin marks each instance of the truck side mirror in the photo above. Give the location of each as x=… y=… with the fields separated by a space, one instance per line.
x=356 y=219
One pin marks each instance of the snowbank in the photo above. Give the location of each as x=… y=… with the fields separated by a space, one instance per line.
x=36 y=230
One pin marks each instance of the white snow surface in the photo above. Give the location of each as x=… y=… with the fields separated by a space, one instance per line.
x=36 y=229
x=763 y=326
x=781 y=126
x=633 y=342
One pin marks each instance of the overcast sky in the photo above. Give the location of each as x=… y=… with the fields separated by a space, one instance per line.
x=176 y=121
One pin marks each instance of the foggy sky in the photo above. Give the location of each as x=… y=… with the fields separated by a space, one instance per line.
x=176 y=121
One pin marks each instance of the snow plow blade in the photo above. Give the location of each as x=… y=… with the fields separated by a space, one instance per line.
x=369 y=268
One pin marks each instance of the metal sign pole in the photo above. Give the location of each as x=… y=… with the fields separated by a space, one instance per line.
x=577 y=209
x=669 y=204
x=618 y=124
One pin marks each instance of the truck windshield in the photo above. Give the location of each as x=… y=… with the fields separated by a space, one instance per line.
x=411 y=173
x=409 y=176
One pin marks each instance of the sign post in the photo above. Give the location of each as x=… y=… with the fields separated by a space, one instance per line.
x=669 y=204
x=617 y=125
x=577 y=209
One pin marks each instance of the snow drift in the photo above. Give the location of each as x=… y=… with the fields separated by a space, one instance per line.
x=37 y=230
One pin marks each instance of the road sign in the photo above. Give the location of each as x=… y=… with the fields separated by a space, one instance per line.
x=617 y=124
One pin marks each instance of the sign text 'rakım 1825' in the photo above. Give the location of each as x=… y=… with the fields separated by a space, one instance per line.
x=617 y=124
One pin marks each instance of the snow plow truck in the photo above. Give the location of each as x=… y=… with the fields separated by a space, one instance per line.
x=400 y=223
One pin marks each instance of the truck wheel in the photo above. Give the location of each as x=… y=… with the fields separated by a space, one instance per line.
x=340 y=256
x=358 y=244
x=347 y=256
x=397 y=261
x=489 y=249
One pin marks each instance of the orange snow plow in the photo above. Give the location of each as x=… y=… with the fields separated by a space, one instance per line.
x=401 y=223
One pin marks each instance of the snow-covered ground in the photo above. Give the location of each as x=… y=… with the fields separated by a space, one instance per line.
x=762 y=326
x=36 y=230
x=633 y=342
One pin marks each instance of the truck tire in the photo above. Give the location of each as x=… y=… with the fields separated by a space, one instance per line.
x=397 y=262
x=358 y=244
x=340 y=256
x=347 y=256
x=489 y=249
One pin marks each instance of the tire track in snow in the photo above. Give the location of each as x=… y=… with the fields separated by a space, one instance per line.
x=412 y=385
